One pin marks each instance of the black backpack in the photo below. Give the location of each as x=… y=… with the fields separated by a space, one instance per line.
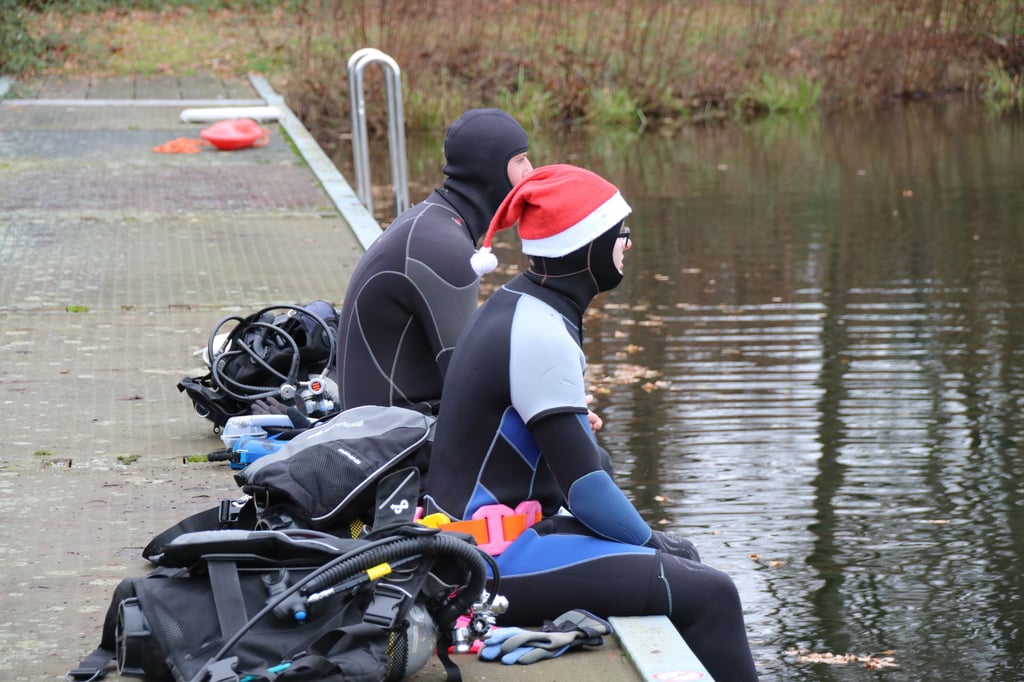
x=328 y=478
x=282 y=606
x=281 y=351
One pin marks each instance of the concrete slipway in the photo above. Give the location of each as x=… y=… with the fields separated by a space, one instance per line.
x=116 y=261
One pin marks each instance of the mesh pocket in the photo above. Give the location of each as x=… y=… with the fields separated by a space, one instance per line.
x=327 y=476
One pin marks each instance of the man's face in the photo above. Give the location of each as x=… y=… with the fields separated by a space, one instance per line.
x=518 y=168
x=622 y=244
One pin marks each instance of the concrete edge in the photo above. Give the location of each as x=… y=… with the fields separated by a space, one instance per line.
x=363 y=224
x=657 y=651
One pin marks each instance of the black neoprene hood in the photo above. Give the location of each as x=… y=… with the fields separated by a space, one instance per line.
x=582 y=274
x=477 y=149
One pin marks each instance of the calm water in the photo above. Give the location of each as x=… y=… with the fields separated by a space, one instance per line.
x=815 y=369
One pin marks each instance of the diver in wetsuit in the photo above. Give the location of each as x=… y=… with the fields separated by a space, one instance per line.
x=513 y=438
x=413 y=290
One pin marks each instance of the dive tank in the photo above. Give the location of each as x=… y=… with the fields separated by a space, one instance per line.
x=421 y=639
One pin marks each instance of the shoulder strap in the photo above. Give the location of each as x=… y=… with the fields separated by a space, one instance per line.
x=451 y=669
x=397 y=496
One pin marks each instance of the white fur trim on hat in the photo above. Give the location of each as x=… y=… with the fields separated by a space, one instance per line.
x=596 y=223
x=483 y=261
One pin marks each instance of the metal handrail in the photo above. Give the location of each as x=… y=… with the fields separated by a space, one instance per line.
x=357 y=63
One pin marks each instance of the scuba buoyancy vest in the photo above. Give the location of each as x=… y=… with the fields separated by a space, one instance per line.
x=270 y=605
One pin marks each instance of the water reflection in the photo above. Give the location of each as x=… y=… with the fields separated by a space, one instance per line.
x=815 y=369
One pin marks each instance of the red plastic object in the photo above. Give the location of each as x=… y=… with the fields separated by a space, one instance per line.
x=236 y=134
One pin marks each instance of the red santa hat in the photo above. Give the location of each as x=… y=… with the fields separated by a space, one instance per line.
x=559 y=208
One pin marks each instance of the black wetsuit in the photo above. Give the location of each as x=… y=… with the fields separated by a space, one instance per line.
x=413 y=290
x=513 y=427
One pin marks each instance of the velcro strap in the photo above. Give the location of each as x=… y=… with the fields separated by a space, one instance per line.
x=475 y=527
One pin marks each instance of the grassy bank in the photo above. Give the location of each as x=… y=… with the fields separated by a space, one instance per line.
x=638 y=63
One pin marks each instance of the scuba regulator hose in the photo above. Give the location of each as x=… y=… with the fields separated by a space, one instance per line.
x=353 y=566
x=234 y=345
x=433 y=545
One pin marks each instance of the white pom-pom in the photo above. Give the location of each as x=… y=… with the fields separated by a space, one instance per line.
x=483 y=261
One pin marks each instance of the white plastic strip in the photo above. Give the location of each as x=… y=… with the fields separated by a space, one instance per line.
x=211 y=114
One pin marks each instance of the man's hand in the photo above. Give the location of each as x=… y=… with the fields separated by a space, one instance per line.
x=595 y=421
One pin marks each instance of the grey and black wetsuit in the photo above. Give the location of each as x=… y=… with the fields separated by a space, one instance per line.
x=413 y=290
x=513 y=427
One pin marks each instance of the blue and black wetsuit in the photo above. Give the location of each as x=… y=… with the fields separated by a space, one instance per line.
x=513 y=427
x=413 y=290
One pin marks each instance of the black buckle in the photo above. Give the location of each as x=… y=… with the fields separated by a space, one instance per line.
x=229 y=511
x=383 y=609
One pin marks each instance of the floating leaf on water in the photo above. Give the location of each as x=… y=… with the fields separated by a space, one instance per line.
x=869 y=662
x=627 y=373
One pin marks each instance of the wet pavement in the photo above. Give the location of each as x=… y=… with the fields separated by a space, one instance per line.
x=116 y=262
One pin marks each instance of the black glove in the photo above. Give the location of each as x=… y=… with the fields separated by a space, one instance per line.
x=670 y=543
x=572 y=630
x=296 y=411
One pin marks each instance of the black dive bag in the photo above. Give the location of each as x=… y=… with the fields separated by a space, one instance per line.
x=281 y=351
x=294 y=605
